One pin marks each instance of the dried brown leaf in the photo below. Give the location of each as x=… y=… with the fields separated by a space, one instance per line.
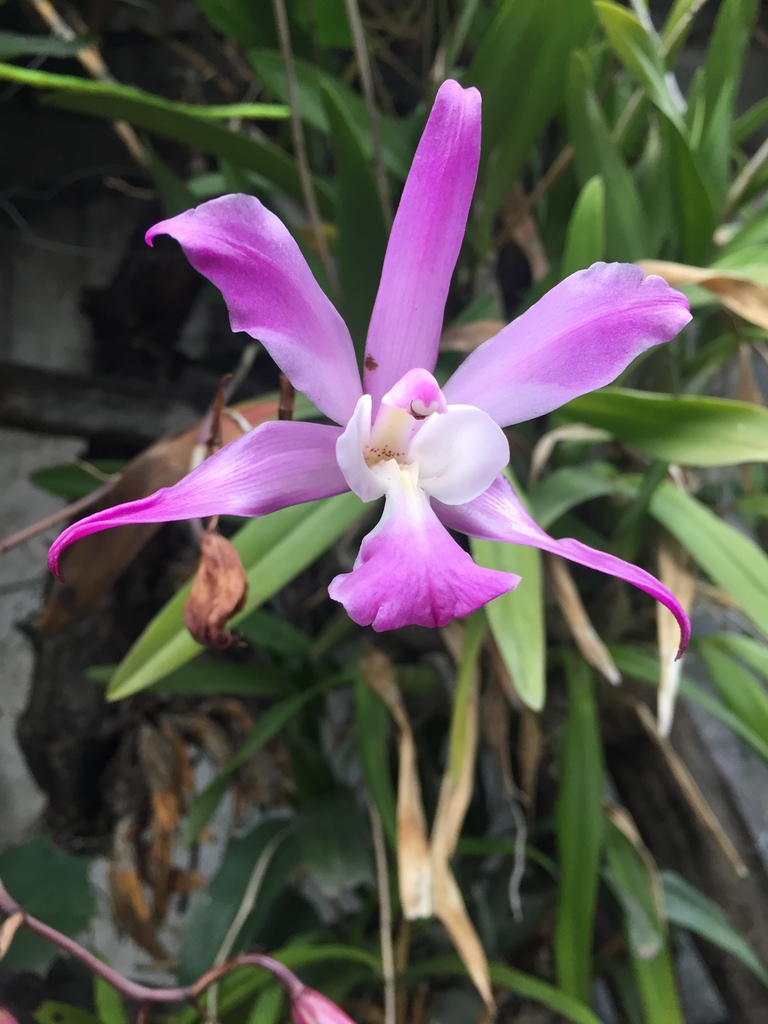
x=737 y=293
x=452 y=913
x=452 y=805
x=579 y=623
x=126 y=893
x=219 y=590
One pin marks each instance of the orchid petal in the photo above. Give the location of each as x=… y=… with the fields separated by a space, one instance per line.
x=410 y=571
x=578 y=337
x=459 y=454
x=500 y=515
x=276 y=465
x=350 y=454
x=424 y=244
x=271 y=295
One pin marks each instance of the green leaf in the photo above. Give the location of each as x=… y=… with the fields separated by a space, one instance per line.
x=645 y=667
x=597 y=153
x=180 y=121
x=722 y=73
x=269 y=66
x=16 y=44
x=362 y=229
x=334 y=837
x=654 y=972
x=585 y=240
x=527 y=44
x=692 y=208
x=109 y=1003
x=273 y=549
x=640 y=53
x=732 y=561
x=579 y=823
x=269 y=724
x=739 y=689
x=692 y=430
x=753 y=652
x=372 y=720
x=517 y=617
x=524 y=985
x=211 y=918
x=569 y=487
x=688 y=908
x=74 y=480
x=52 y=886
x=52 y=1012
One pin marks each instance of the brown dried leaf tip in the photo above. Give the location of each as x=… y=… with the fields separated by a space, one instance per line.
x=218 y=592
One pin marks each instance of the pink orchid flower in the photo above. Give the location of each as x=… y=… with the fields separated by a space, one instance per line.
x=435 y=455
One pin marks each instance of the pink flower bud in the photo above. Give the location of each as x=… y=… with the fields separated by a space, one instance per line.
x=310 y=1007
x=6 y=1017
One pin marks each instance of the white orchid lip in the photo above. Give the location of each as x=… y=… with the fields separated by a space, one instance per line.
x=451 y=452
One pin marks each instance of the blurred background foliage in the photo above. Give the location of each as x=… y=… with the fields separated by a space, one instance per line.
x=574 y=843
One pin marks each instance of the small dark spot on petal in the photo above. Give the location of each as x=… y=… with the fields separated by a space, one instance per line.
x=370 y=363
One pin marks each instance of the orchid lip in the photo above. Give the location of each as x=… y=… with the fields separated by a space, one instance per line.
x=450 y=452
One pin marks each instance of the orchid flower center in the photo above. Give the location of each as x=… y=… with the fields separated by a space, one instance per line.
x=403 y=410
x=449 y=452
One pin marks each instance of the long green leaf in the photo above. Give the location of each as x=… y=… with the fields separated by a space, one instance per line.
x=372 y=720
x=733 y=561
x=597 y=153
x=688 y=908
x=520 y=68
x=17 y=44
x=653 y=969
x=692 y=430
x=273 y=549
x=362 y=229
x=645 y=667
x=508 y=978
x=569 y=487
x=579 y=819
x=640 y=53
x=180 y=121
x=585 y=240
x=739 y=689
x=269 y=66
x=517 y=618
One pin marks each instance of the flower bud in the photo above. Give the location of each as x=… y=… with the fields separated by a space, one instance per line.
x=311 y=1007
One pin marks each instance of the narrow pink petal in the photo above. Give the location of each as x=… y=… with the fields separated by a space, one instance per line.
x=500 y=515
x=271 y=467
x=271 y=294
x=425 y=241
x=410 y=571
x=578 y=337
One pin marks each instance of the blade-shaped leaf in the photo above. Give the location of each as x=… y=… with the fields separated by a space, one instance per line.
x=633 y=870
x=688 y=908
x=517 y=618
x=579 y=820
x=273 y=549
x=180 y=121
x=692 y=430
